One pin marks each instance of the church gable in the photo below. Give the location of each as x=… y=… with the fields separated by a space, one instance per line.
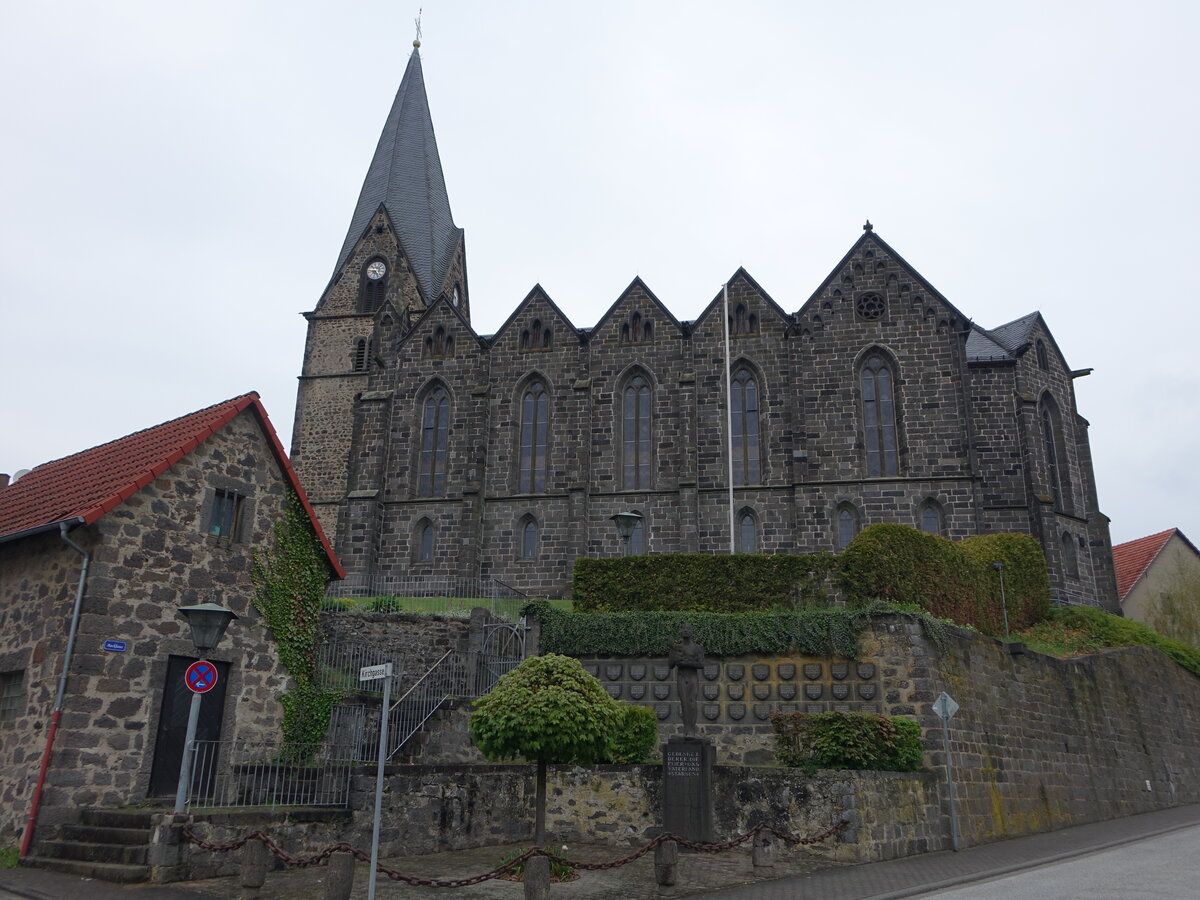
x=752 y=312
x=874 y=287
x=537 y=324
x=441 y=333
x=375 y=271
x=637 y=317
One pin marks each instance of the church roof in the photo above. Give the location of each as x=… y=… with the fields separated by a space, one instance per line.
x=82 y=487
x=1003 y=343
x=405 y=178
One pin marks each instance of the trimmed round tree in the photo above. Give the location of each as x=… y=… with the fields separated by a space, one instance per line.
x=547 y=710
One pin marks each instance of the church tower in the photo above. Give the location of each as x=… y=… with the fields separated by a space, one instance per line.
x=401 y=253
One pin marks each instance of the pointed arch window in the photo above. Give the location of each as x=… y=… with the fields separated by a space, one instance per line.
x=360 y=355
x=747 y=532
x=372 y=285
x=423 y=542
x=535 y=427
x=879 y=416
x=744 y=437
x=637 y=540
x=847 y=523
x=435 y=427
x=1070 y=557
x=635 y=434
x=637 y=329
x=742 y=321
x=535 y=337
x=930 y=518
x=529 y=537
x=1052 y=442
x=1042 y=360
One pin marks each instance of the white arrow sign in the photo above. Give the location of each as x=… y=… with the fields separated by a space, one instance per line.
x=945 y=706
x=374 y=673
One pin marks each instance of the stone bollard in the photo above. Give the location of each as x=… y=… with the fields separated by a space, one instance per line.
x=339 y=877
x=255 y=860
x=763 y=855
x=537 y=878
x=666 y=863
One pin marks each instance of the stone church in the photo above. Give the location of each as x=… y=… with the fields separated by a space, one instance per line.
x=429 y=449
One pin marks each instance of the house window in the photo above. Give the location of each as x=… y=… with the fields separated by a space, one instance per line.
x=372 y=285
x=636 y=434
x=930 y=518
x=424 y=541
x=847 y=523
x=435 y=425
x=1070 y=557
x=226 y=513
x=11 y=695
x=529 y=538
x=747 y=454
x=879 y=416
x=747 y=532
x=535 y=415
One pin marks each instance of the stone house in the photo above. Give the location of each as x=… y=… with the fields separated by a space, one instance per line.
x=113 y=540
x=429 y=449
x=1158 y=581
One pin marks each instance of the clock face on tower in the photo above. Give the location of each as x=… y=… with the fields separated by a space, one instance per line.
x=376 y=270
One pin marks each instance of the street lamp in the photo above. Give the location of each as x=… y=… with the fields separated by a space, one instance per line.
x=208 y=622
x=626 y=522
x=999 y=567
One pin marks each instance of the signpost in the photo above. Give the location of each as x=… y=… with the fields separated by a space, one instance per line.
x=373 y=673
x=945 y=707
x=200 y=677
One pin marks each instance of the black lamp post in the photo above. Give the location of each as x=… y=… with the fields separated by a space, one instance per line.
x=626 y=522
x=208 y=622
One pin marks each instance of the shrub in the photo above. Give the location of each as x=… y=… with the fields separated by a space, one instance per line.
x=1080 y=629
x=1026 y=584
x=695 y=581
x=384 y=605
x=634 y=735
x=836 y=740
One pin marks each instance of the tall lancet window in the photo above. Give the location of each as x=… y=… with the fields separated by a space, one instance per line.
x=535 y=416
x=636 y=434
x=743 y=439
x=435 y=427
x=879 y=416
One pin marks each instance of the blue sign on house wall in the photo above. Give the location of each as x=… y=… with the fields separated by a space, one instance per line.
x=115 y=646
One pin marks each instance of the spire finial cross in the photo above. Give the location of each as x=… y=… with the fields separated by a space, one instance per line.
x=417 y=22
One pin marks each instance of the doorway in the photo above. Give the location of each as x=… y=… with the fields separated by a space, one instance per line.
x=172 y=722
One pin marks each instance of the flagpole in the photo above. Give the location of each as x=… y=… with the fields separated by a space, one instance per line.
x=729 y=419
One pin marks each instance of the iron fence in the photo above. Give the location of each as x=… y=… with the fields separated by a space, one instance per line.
x=251 y=773
x=429 y=594
x=338 y=664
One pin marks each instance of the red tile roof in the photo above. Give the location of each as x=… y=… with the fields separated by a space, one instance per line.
x=86 y=485
x=1132 y=558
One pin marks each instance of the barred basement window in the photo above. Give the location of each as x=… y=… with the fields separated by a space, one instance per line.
x=11 y=695
x=226 y=513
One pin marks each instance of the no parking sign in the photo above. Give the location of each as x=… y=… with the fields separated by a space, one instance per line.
x=200 y=677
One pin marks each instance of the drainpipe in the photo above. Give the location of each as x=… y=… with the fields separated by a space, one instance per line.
x=31 y=820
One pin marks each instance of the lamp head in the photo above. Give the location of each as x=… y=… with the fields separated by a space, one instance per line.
x=626 y=522
x=208 y=622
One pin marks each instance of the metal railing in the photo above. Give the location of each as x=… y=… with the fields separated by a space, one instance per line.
x=338 y=663
x=251 y=773
x=446 y=680
x=444 y=595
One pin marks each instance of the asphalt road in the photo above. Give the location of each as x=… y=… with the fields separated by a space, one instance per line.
x=1165 y=867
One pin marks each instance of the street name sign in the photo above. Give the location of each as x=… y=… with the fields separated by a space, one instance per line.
x=374 y=673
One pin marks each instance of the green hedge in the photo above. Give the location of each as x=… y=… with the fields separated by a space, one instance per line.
x=1082 y=629
x=714 y=582
x=899 y=564
x=814 y=631
x=836 y=740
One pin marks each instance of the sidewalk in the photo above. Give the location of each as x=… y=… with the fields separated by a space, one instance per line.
x=723 y=876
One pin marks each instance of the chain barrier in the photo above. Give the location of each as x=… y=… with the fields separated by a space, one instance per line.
x=303 y=862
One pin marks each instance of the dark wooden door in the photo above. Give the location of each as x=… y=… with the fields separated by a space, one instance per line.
x=172 y=723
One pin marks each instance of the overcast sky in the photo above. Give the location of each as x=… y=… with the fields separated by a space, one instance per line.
x=176 y=181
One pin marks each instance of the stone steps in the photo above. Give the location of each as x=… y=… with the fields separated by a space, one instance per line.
x=91 y=851
x=119 y=873
x=104 y=834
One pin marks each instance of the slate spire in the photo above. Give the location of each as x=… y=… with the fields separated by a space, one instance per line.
x=406 y=178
